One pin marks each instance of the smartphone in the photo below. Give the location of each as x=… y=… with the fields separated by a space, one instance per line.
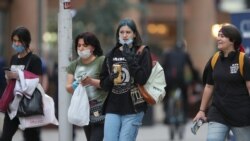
x=196 y=125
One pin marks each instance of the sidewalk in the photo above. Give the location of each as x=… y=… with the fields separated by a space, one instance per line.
x=158 y=132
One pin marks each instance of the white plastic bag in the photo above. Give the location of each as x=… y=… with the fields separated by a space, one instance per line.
x=41 y=120
x=78 y=112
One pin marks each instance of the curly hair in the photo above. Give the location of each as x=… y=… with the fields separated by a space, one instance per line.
x=90 y=39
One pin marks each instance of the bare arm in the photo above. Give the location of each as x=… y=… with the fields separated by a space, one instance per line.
x=206 y=97
x=44 y=80
x=248 y=86
x=40 y=80
x=70 y=79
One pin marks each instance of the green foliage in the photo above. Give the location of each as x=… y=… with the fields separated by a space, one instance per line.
x=99 y=17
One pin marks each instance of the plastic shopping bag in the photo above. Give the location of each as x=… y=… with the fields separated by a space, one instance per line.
x=78 y=112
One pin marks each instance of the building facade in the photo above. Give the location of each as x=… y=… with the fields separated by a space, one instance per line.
x=157 y=22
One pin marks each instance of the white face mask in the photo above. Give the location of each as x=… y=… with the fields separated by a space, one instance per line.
x=84 y=54
x=128 y=42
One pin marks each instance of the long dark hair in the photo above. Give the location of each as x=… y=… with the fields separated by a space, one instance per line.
x=131 y=24
x=89 y=39
x=23 y=34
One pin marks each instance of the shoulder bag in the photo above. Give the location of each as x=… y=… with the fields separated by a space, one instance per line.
x=154 y=90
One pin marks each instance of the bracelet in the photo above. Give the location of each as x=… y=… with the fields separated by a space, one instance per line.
x=202 y=110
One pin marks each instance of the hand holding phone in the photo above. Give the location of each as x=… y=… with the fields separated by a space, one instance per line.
x=196 y=125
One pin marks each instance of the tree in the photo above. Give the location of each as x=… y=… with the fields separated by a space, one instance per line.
x=99 y=17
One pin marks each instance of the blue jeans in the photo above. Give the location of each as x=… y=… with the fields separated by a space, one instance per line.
x=122 y=127
x=219 y=132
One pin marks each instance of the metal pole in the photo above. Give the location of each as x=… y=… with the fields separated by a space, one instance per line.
x=180 y=23
x=64 y=53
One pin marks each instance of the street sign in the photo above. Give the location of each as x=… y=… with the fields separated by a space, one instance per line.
x=242 y=21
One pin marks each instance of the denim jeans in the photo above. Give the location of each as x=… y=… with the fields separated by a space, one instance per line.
x=122 y=127
x=219 y=132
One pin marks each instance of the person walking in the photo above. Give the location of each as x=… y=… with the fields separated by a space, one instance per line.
x=176 y=64
x=85 y=71
x=23 y=58
x=122 y=70
x=228 y=90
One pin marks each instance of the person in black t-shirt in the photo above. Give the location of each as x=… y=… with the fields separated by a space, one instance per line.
x=176 y=62
x=124 y=106
x=23 y=59
x=228 y=90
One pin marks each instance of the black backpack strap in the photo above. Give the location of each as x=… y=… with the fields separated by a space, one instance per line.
x=28 y=63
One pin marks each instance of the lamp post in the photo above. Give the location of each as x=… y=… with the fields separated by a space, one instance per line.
x=64 y=52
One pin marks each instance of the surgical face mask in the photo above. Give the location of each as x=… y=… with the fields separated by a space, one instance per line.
x=18 y=48
x=128 y=42
x=84 y=54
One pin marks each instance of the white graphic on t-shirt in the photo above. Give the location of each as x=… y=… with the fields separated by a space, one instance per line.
x=125 y=86
x=119 y=59
x=17 y=67
x=82 y=72
x=125 y=75
x=136 y=96
x=234 y=68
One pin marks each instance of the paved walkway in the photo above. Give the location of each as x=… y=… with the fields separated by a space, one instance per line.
x=158 y=132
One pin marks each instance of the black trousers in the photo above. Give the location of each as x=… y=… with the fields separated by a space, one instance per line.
x=10 y=127
x=94 y=132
